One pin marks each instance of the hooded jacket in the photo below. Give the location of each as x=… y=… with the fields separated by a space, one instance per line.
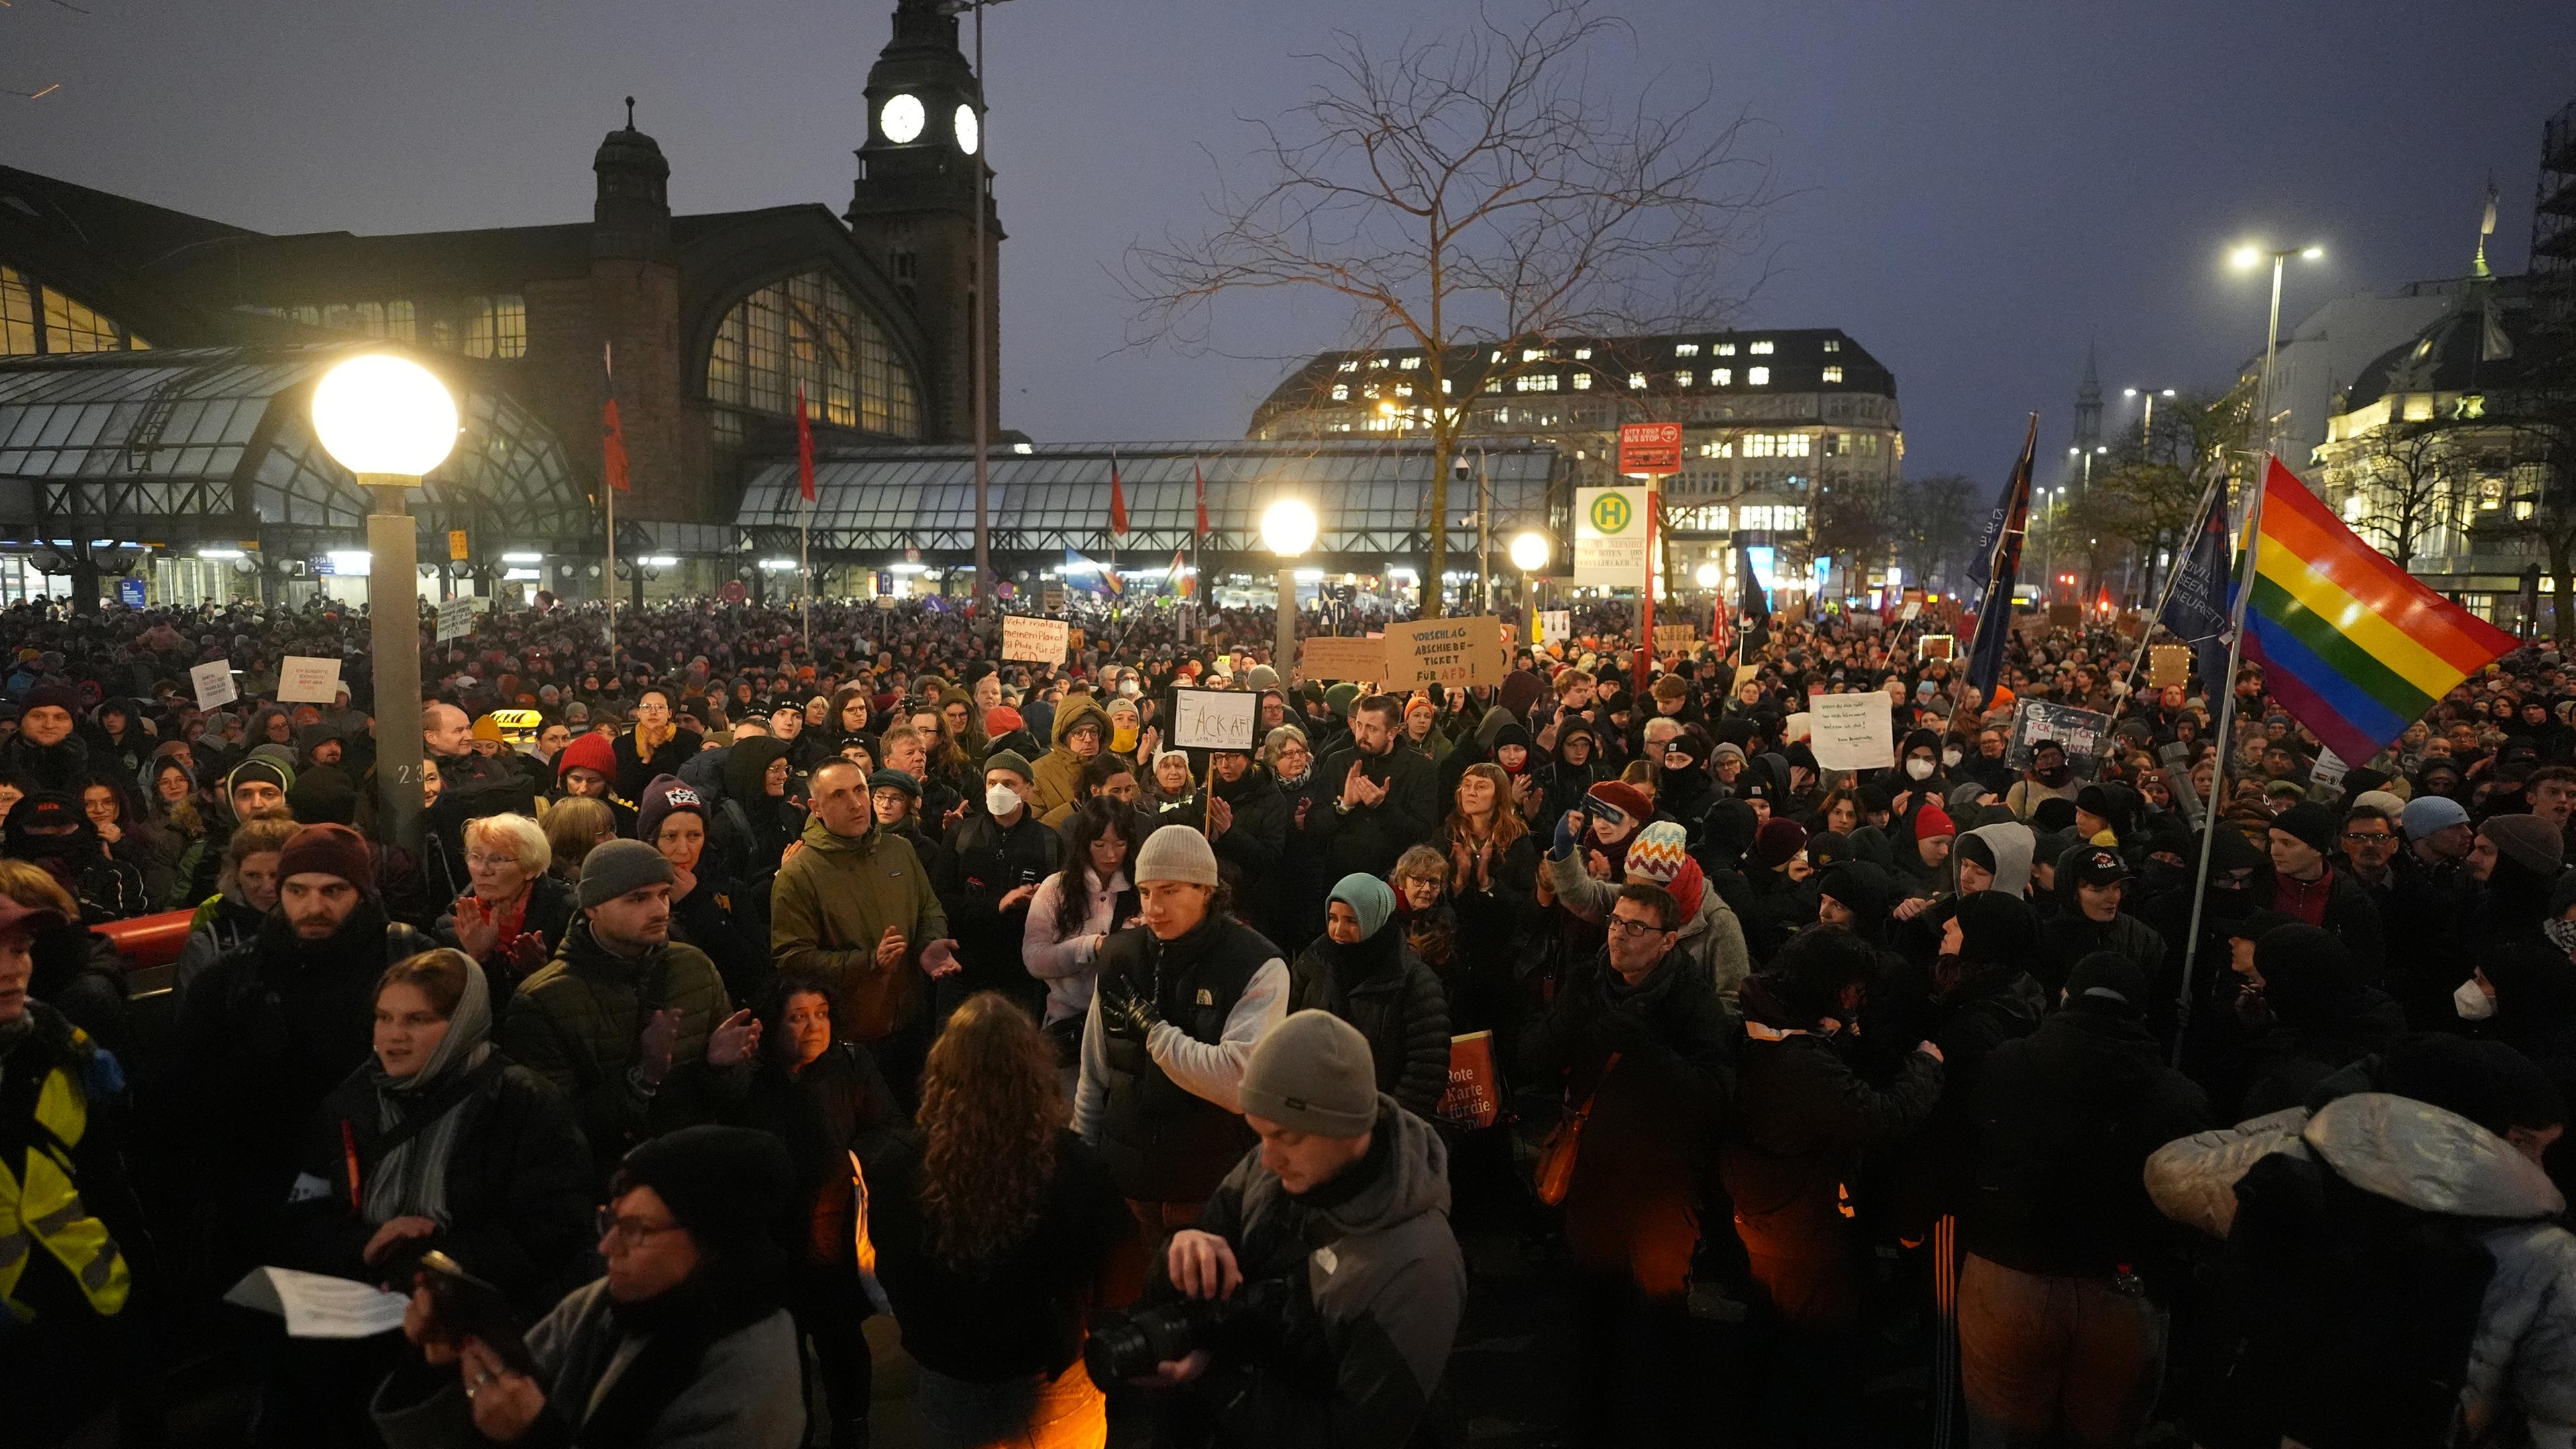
x=1380 y=1282
x=2521 y=1371
x=833 y=901
x=2012 y=844
x=1056 y=777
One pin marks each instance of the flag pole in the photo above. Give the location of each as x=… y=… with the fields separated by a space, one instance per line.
x=2173 y=577
x=805 y=573
x=608 y=490
x=2210 y=823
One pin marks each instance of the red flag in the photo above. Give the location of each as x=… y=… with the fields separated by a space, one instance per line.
x=1200 y=479
x=804 y=448
x=1117 y=499
x=612 y=434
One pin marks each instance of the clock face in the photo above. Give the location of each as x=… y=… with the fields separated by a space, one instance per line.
x=970 y=134
x=901 y=119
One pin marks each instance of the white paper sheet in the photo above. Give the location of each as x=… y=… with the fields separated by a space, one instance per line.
x=317 y=1305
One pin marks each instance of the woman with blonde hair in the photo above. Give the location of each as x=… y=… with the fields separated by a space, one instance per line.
x=573 y=826
x=993 y=1236
x=513 y=915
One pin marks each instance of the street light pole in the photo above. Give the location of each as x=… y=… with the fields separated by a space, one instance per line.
x=1288 y=529
x=389 y=420
x=983 y=475
x=2247 y=256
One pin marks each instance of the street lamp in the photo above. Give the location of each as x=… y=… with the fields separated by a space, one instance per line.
x=1529 y=552
x=2246 y=257
x=1287 y=530
x=389 y=420
x=977 y=151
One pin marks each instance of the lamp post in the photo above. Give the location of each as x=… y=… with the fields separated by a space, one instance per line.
x=2246 y=258
x=389 y=420
x=2146 y=426
x=1529 y=553
x=1707 y=575
x=1287 y=530
x=975 y=349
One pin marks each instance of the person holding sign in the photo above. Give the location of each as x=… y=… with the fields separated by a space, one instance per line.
x=1385 y=799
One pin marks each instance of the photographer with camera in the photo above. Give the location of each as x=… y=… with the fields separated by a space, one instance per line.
x=1317 y=1299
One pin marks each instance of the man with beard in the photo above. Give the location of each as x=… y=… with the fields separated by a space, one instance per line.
x=1385 y=800
x=276 y=1024
x=49 y=829
x=45 y=752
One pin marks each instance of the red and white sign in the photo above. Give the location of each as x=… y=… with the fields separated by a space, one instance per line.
x=734 y=592
x=1646 y=449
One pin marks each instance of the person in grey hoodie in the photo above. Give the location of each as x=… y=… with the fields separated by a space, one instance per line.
x=1350 y=1193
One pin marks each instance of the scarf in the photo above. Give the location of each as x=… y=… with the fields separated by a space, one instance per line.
x=411 y=1177
x=720 y=1299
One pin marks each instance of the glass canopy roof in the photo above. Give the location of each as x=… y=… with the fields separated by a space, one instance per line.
x=1370 y=498
x=216 y=443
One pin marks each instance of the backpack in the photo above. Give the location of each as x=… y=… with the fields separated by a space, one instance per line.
x=2355 y=1313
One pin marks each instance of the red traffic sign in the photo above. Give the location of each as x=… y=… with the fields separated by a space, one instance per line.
x=734 y=592
x=1650 y=448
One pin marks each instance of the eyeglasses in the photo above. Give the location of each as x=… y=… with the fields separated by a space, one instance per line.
x=1632 y=928
x=2368 y=837
x=475 y=859
x=628 y=1232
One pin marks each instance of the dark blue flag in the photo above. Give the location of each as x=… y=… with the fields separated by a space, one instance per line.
x=1999 y=569
x=2197 y=612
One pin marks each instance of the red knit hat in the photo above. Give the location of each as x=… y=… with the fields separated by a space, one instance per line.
x=587 y=752
x=1001 y=719
x=1933 y=822
x=1627 y=799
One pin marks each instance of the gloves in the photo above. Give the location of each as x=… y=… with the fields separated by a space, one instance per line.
x=1122 y=1010
x=1561 y=845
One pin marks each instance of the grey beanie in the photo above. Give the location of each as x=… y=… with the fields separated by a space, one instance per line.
x=1261 y=677
x=1312 y=1073
x=1176 y=852
x=2528 y=839
x=615 y=867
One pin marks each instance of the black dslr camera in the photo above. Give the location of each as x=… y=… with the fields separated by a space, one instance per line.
x=1132 y=1345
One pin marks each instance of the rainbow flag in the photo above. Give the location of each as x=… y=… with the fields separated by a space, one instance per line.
x=2351 y=643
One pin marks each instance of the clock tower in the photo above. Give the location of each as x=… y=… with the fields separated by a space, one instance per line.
x=913 y=207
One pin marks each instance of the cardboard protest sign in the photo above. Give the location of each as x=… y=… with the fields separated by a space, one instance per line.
x=1215 y=719
x=1852 y=731
x=1036 y=641
x=2083 y=733
x=1674 y=638
x=1326 y=657
x=308 y=681
x=214 y=682
x=2169 y=664
x=1443 y=652
x=1936 y=646
x=2066 y=616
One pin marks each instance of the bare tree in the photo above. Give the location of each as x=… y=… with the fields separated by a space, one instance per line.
x=1934 y=523
x=1482 y=198
x=2410 y=473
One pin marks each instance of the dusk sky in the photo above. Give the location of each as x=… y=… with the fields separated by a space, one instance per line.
x=1978 y=187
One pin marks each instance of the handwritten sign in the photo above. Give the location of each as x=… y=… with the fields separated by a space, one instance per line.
x=1325 y=657
x=1445 y=652
x=1038 y=641
x=2169 y=664
x=1214 y=719
x=455 y=618
x=1936 y=646
x=1555 y=626
x=301 y=680
x=214 y=682
x=1674 y=638
x=1852 y=731
x=2081 y=733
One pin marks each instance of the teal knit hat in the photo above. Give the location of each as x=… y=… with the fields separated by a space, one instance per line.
x=1369 y=898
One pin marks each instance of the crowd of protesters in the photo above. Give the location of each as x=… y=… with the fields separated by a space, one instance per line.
x=738 y=990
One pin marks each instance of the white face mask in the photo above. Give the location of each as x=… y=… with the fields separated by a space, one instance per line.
x=1951 y=757
x=1127 y=689
x=1001 y=800
x=2472 y=1002
x=1918 y=769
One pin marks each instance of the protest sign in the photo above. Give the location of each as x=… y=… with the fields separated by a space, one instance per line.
x=1936 y=646
x=1214 y=719
x=1474 y=1096
x=1036 y=641
x=1555 y=626
x=2169 y=664
x=308 y=681
x=455 y=618
x=1852 y=731
x=1442 y=652
x=1674 y=638
x=1797 y=727
x=2082 y=733
x=2329 y=769
x=2065 y=616
x=1326 y=657
x=214 y=682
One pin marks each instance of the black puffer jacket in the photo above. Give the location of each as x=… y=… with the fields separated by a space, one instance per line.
x=518 y=1185
x=2322 y=1020
x=1256 y=845
x=1382 y=988
x=1655 y=1115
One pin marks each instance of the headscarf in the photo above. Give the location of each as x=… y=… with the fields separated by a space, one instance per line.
x=411 y=1179
x=1369 y=898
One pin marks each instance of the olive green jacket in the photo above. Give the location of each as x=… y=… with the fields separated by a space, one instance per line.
x=830 y=906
